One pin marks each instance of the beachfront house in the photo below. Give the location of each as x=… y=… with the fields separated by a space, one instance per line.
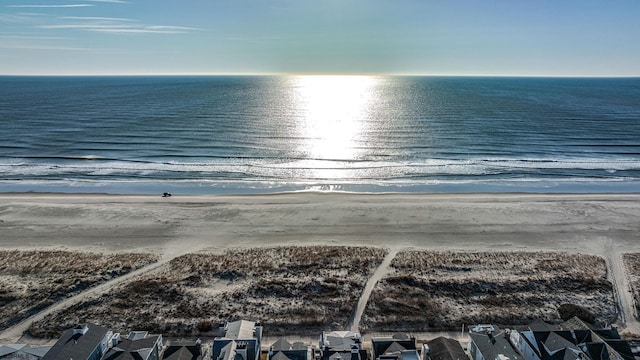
x=546 y=345
x=342 y=345
x=239 y=340
x=570 y=340
x=83 y=342
x=397 y=347
x=22 y=352
x=184 y=351
x=284 y=350
x=138 y=345
x=542 y=341
x=442 y=348
x=601 y=343
x=488 y=342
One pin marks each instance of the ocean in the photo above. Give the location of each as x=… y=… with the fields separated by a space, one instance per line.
x=265 y=134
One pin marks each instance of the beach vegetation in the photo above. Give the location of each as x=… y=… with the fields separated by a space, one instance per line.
x=433 y=291
x=289 y=289
x=31 y=280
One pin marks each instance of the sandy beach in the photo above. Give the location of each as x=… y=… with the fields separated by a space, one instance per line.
x=585 y=223
x=604 y=225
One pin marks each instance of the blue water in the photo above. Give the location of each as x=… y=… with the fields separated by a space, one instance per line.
x=214 y=135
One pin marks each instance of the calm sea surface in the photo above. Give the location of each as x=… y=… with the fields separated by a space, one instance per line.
x=216 y=135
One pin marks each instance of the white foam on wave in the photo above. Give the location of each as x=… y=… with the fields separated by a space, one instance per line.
x=287 y=170
x=568 y=163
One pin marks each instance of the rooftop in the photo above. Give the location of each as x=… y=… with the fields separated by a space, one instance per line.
x=77 y=343
x=442 y=348
x=492 y=345
x=241 y=329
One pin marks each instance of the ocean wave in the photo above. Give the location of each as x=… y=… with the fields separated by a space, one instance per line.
x=284 y=170
x=412 y=131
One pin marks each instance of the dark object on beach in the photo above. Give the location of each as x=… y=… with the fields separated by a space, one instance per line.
x=166 y=194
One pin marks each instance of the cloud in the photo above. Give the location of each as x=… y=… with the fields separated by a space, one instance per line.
x=84 y=26
x=94 y=18
x=33 y=14
x=122 y=26
x=28 y=37
x=22 y=17
x=50 y=6
x=144 y=30
x=114 y=25
x=170 y=28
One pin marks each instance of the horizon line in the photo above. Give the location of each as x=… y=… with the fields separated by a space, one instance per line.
x=317 y=74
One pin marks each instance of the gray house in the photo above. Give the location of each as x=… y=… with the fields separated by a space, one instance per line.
x=22 y=351
x=239 y=340
x=398 y=347
x=138 y=345
x=284 y=350
x=488 y=342
x=571 y=340
x=83 y=342
x=442 y=348
x=183 y=351
x=342 y=345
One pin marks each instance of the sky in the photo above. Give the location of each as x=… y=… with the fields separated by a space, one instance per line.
x=420 y=37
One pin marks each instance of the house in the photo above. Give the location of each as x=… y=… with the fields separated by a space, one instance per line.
x=342 y=345
x=83 y=342
x=239 y=340
x=183 y=351
x=284 y=350
x=546 y=345
x=542 y=341
x=22 y=351
x=397 y=347
x=599 y=344
x=570 y=340
x=488 y=342
x=138 y=345
x=442 y=348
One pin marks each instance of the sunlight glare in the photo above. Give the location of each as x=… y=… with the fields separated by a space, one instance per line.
x=333 y=110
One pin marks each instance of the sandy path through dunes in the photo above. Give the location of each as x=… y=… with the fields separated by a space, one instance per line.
x=14 y=333
x=618 y=276
x=383 y=269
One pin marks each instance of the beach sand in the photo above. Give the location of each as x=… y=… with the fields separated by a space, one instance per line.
x=605 y=225
x=584 y=223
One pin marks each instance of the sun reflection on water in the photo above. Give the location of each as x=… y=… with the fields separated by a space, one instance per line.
x=333 y=113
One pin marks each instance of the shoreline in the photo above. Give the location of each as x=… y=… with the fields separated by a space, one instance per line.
x=9 y=194
x=260 y=187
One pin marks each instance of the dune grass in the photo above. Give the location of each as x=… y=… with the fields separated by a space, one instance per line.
x=33 y=280
x=431 y=291
x=290 y=289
